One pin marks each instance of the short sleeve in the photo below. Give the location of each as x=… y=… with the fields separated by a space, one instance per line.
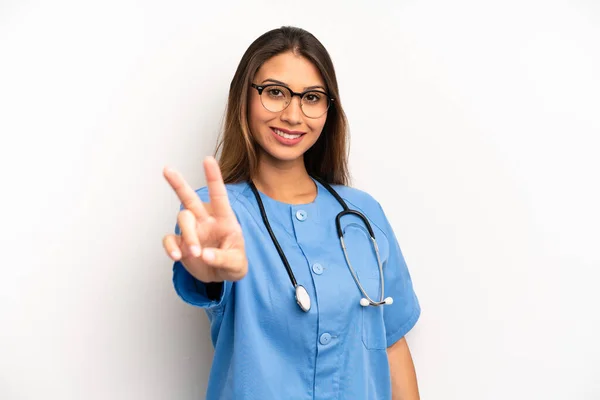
x=403 y=313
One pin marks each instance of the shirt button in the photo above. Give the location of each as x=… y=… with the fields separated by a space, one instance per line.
x=317 y=268
x=301 y=215
x=325 y=339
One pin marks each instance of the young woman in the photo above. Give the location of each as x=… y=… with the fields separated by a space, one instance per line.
x=301 y=276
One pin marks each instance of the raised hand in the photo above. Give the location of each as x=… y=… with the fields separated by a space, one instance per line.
x=211 y=244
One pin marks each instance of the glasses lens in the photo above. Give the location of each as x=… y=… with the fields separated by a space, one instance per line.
x=275 y=98
x=315 y=104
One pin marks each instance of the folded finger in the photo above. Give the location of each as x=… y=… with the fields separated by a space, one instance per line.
x=171 y=245
x=187 y=224
x=233 y=261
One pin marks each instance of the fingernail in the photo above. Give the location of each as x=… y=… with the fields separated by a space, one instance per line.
x=195 y=250
x=175 y=254
x=209 y=255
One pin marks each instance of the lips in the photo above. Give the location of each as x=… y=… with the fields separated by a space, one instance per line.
x=286 y=137
x=287 y=133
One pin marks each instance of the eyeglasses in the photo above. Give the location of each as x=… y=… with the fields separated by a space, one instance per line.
x=276 y=98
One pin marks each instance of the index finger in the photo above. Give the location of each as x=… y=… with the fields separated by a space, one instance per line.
x=216 y=189
x=186 y=194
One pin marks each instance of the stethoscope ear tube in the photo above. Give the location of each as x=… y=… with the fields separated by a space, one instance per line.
x=365 y=302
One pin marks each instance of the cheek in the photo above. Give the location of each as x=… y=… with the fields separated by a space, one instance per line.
x=317 y=125
x=257 y=113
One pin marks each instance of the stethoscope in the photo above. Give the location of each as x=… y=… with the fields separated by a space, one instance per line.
x=302 y=297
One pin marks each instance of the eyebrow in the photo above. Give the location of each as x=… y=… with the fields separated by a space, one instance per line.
x=285 y=84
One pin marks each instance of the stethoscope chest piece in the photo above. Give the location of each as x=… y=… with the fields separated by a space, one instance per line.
x=302 y=298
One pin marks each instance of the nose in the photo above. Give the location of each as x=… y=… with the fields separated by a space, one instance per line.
x=293 y=112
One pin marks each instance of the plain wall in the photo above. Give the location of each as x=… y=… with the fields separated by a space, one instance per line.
x=475 y=124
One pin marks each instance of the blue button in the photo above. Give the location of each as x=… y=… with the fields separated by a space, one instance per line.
x=317 y=268
x=301 y=215
x=325 y=339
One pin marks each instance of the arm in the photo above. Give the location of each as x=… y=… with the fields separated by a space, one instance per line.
x=402 y=371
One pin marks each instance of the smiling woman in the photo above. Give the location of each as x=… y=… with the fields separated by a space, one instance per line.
x=281 y=70
x=277 y=210
x=274 y=122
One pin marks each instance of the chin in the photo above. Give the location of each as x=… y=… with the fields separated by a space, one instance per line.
x=284 y=156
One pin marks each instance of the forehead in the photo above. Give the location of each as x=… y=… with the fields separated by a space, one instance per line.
x=296 y=71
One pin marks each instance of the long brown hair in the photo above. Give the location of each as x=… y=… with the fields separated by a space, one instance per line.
x=328 y=157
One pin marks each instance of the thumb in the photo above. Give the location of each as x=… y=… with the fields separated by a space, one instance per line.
x=232 y=261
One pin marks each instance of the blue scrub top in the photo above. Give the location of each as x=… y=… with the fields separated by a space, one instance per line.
x=266 y=347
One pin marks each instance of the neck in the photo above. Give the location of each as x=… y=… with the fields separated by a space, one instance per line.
x=287 y=182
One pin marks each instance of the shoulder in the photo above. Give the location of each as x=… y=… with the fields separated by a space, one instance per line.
x=358 y=198
x=371 y=208
x=365 y=203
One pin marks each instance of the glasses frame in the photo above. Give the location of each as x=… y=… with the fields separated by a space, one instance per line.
x=260 y=88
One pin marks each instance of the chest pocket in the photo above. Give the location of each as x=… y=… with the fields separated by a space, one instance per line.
x=361 y=253
x=373 y=326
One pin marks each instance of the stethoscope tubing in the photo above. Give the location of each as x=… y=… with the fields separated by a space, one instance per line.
x=338 y=224
x=366 y=300
x=273 y=238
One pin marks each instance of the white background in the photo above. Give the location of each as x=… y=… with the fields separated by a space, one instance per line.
x=476 y=125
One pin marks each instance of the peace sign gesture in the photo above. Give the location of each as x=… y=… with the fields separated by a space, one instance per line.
x=211 y=244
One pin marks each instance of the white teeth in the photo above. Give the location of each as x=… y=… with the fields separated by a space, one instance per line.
x=286 y=135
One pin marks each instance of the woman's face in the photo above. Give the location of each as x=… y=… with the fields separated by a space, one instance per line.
x=285 y=135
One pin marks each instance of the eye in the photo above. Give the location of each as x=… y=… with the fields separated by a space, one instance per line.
x=276 y=92
x=313 y=97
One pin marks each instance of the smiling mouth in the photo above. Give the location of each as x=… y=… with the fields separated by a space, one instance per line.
x=286 y=135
